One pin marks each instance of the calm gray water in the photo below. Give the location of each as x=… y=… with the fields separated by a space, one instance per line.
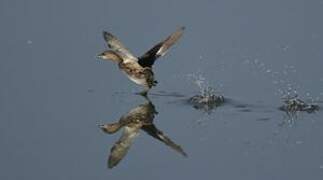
x=54 y=92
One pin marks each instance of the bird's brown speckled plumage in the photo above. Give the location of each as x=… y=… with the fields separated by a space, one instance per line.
x=139 y=70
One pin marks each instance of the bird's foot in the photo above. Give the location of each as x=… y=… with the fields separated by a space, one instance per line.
x=143 y=93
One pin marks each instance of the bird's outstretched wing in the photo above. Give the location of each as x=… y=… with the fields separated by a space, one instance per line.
x=116 y=45
x=121 y=147
x=156 y=133
x=160 y=49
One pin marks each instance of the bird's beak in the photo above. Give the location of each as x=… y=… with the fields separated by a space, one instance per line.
x=100 y=56
x=101 y=126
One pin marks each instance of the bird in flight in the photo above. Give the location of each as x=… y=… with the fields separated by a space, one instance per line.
x=138 y=69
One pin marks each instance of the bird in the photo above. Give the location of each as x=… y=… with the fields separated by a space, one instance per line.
x=138 y=69
x=139 y=118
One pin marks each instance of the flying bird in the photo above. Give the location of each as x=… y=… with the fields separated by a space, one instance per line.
x=138 y=69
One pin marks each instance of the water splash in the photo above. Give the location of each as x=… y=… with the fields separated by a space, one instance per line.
x=283 y=80
x=208 y=97
x=293 y=106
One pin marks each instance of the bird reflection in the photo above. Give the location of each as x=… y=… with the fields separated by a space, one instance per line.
x=138 y=118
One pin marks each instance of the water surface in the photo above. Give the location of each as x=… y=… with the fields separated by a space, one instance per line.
x=54 y=92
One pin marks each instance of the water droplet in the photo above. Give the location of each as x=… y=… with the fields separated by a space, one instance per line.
x=285 y=47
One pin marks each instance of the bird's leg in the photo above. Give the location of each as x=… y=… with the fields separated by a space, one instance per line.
x=144 y=93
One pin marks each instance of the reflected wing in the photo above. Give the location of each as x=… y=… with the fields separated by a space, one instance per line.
x=154 y=132
x=118 y=47
x=121 y=147
x=160 y=49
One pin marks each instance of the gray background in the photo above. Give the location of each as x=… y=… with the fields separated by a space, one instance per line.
x=54 y=91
